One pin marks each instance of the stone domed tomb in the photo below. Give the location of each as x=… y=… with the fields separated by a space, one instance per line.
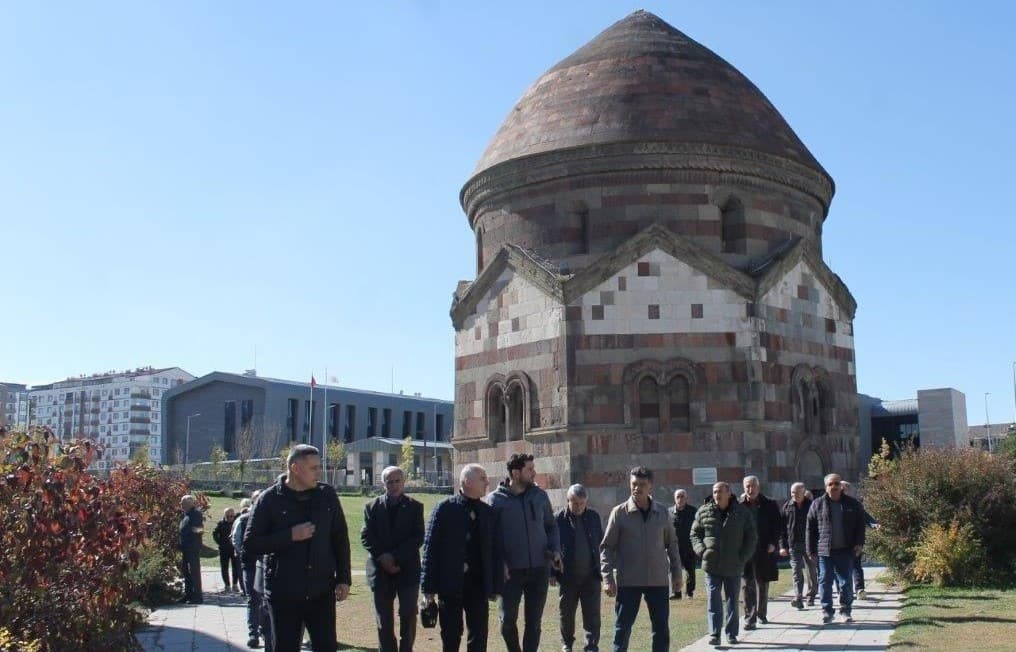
x=650 y=287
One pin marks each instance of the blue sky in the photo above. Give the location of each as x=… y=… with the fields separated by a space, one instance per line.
x=183 y=181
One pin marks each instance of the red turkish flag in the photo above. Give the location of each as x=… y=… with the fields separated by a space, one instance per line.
x=313 y=383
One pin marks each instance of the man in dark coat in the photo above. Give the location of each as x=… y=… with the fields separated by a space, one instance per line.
x=792 y=545
x=461 y=569
x=579 y=579
x=761 y=568
x=392 y=535
x=191 y=526
x=299 y=526
x=835 y=537
x=683 y=515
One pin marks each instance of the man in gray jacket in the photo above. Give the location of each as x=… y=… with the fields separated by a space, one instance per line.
x=640 y=546
x=528 y=541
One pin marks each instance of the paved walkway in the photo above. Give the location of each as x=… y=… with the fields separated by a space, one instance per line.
x=790 y=629
x=220 y=624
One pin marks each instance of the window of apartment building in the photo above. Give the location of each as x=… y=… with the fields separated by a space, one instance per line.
x=421 y=424
x=308 y=411
x=350 y=430
x=291 y=418
x=439 y=427
x=386 y=422
x=407 y=423
x=371 y=421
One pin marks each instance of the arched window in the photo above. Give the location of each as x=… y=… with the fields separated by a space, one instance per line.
x=495 y=413
x=679 y=396
x=810 y=471
x=732 y=224
x=649 y=405
x=516 y=412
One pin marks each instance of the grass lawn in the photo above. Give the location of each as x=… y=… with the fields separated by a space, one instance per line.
x=356 y=615
x=956 y=619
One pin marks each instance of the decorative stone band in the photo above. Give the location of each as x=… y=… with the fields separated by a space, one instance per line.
x=511 y=175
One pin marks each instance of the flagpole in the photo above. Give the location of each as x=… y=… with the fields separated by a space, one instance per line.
x=310 y=424
x=324 y=430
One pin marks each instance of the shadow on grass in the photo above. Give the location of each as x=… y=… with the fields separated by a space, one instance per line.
x=937 y=621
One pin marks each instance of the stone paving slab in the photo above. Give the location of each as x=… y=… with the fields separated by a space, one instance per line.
x=791 y=630
x=220 y=624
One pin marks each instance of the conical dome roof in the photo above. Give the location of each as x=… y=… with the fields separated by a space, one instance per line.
x=642 y=80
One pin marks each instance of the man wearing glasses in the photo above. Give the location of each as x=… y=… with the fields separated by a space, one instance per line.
x=835 y=536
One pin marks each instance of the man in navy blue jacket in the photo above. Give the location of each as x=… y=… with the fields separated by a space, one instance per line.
x=459 y=562
x=581 y=533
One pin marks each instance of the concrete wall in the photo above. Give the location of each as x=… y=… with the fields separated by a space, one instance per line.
x=942 y=417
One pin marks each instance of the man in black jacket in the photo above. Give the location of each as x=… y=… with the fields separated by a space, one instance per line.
x=761 y=569
x=191 y=526
x=392 y=534
x=459 y=562
x=792 y=545
x=227 y=554
x=683 y=515
x=835 y=536
x=299 y=526
x=581 y=533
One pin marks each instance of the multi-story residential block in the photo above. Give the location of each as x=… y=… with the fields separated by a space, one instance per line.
x=13 y=405
x=120 y=411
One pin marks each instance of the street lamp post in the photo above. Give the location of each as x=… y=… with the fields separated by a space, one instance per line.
x=987 y=421
x=186 y=450
x=1014 y=393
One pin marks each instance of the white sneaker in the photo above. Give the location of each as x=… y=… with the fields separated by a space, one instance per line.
x=861 y=595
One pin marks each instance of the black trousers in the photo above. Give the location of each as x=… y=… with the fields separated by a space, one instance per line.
x=386 y=589
x=228 y=560
x=190 y=568
x=253 y=601
x=756 y=594
x=289 y=617
x=472 y=603
x=584 y=591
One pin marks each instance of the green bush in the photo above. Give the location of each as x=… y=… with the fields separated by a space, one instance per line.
x=919 y=488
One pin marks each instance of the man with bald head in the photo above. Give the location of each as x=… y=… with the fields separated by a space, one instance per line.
x=460 y=563
x=792 y=544
x=682 y=514
x=834 y=537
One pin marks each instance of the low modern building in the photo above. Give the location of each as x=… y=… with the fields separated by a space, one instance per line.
x=987 y=436
x=937 y=417
x=253 y=417
x=120 y=411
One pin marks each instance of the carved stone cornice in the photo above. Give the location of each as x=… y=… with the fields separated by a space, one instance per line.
x=514 y=174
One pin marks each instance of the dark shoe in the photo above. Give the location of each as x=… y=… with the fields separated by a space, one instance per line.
x=749 y=627
x=797 y=603
x=731 y=640
x=827 y=618
x=811 y=601
x=847 y=618
x=691 y=594
x=253 y=643
x=861 y=595
x=193 y=601
x=714 y=640
x=763 y=620
x=675 y=596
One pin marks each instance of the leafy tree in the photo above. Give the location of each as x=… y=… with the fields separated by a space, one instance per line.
x=140 y=455
x=335 y=455
x=406 y=458
x=216 y=458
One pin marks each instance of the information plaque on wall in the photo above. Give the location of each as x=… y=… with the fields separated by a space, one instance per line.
x=704 y=475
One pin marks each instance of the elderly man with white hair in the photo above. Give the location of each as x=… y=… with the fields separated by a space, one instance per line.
x=392 y=534
x=191 y=526
x=581 y=531
x=461 y=568
x=792 y=544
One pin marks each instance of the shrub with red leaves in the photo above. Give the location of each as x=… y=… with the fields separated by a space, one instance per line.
x=69 y=541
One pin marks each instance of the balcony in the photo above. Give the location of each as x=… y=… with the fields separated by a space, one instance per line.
x=141 y=395
x=140 y=420
x=141 y=407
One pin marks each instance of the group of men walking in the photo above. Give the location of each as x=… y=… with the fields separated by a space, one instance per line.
x=510 y=545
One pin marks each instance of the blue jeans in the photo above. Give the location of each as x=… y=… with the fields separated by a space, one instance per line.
x=841 y=564
x=626 y=608
x=531 y=583
x=722 y=594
